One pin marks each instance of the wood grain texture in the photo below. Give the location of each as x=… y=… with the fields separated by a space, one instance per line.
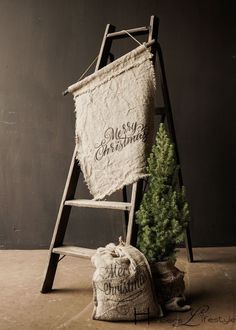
x=99 y=204
x=74 y=251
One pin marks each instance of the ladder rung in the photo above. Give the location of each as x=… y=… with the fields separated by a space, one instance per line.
x=99 y=204
x=121 y=34
x=74 y=251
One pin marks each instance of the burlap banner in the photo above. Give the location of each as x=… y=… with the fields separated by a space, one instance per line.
x=114 y=122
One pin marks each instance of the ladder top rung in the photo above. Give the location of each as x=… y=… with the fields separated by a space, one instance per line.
x=99 y=204
x=122 y=34
x=74 y=251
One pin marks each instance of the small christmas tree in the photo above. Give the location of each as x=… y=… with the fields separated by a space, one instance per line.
x=164 y=212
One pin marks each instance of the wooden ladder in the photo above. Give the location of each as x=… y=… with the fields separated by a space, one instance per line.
x=57 y=248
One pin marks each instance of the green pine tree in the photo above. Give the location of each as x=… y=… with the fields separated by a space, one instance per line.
x=164 y=212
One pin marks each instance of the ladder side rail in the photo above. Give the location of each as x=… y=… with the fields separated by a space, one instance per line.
x=137 y=202
x=105 y=48
x=126 y=213
x=168 y=112
x=170 y=122
x=64 y=210
x=61 y=224
x=132 y=213
x=153 y=34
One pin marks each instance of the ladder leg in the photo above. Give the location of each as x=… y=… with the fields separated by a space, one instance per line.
x=188 y=244
x=61 y=224
x=50 y=273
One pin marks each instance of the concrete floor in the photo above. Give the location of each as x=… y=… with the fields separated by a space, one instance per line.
x=210 y=282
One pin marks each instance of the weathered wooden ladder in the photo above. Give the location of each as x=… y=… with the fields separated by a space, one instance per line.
x=57 y=248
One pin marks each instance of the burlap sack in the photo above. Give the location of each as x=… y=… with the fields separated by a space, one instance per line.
x=122 y=285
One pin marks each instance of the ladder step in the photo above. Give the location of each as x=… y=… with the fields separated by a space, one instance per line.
x=99 y=204
x=74 y=251
x=122 y=34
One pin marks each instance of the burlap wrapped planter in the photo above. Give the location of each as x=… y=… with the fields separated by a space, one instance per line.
x=169 y=286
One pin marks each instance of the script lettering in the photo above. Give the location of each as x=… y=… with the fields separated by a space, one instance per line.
x=116 y=139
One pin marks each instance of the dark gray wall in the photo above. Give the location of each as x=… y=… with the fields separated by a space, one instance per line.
x=45 y=45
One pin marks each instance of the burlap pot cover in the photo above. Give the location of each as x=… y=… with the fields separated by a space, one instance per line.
x=169 y=285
